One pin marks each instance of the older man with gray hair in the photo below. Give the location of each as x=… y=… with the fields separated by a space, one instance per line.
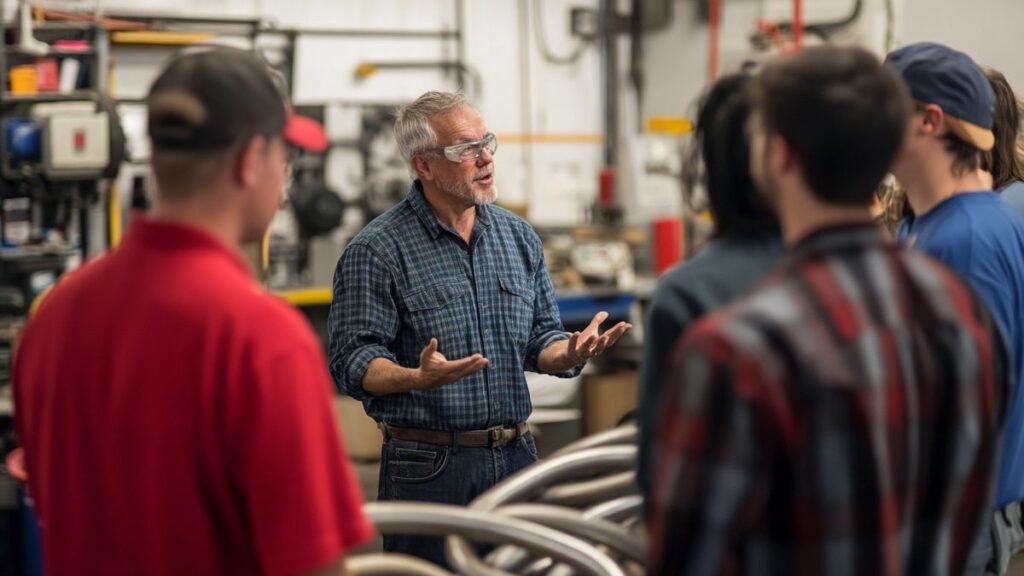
x=440 y=305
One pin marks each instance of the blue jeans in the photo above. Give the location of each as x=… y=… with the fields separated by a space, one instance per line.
x=444 y=474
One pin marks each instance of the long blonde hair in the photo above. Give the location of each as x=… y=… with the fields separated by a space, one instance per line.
x=893 y=203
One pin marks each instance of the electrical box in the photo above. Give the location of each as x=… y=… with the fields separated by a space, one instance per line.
x=76 y=144
x=76 y=140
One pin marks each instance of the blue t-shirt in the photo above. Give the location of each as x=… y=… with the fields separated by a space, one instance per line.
x=1013 y=194
x=982 y=238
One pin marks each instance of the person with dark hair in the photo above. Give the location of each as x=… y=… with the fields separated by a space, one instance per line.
x=1006 y=159
x=745 y=244
x=176 y=417
x=960 y=221
x=844 y=416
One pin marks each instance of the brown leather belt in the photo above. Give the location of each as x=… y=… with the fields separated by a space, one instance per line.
x=490 y=438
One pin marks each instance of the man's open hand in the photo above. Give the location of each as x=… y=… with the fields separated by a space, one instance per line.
x=587 y=344
x=436 y=370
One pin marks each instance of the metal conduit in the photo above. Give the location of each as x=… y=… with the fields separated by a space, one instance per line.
x=575 y=523
x=618 y=510
x=590 y=492
x=534 y=479
x=596 y=531
x=439 y=519
x=623 y=435
x=624 y=509
x=392 y=565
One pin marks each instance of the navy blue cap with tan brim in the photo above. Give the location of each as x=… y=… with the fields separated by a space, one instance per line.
x=937 y=74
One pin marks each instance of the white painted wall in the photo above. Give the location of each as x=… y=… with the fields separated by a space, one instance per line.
x=988 y=30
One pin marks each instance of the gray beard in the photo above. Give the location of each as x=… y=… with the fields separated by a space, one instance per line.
x=465 y=192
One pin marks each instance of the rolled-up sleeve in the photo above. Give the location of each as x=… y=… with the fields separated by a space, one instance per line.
x=363 y=320
x=547 y=325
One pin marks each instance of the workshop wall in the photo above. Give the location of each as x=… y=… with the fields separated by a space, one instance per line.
x=521 y=95
x=982 y=28
x=524 y=97
x=676 y=62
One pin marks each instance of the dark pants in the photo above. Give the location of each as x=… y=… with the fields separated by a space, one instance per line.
x=444 y=474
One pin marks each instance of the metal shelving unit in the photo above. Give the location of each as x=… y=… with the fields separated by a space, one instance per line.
x=26 y=268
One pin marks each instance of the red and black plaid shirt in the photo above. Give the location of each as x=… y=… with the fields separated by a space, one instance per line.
x=842 y=419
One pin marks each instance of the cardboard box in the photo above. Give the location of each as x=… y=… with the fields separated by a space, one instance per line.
x=362 y=438
x=607 y=398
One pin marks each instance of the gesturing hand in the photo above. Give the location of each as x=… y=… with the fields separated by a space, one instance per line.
x=436 y=370
x=587 y=344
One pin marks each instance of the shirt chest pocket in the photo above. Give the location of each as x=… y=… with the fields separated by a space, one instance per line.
x=441 y=311
x=516 y=306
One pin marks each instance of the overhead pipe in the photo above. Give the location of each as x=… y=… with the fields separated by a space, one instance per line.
x=798 y=25
x=369 y=68
x=460 y=41
x=609 y=77
x=714 y=25
x=825 y=29
x=526 y=98
x=636 y=53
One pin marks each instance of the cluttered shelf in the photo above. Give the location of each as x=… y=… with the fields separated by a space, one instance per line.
x=48 y=96
x=580 y=307
x=27 y=252
x=52 y=26
x=14 y=50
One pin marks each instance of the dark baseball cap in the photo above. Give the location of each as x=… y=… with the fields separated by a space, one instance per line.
x=950 y=79
x=219 y=97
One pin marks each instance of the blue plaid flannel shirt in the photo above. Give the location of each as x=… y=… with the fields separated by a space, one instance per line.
x=407 y=278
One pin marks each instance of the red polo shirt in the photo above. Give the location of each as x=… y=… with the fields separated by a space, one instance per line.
x=177 y=419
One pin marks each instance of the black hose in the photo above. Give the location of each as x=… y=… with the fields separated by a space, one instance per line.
x=636 y=53
x=609 y=77
x=542 y=42
x=460 y=42
x=824 y=30
x=890 y=25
